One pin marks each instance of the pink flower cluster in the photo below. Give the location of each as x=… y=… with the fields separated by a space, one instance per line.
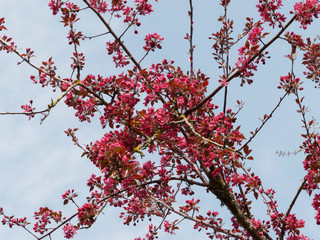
x=55 y=6
x=169 y=228
x=249 y=55
x=99 y=5
x=255 y=35
x=47 y=74
x=311 y=60
x=85 y=107
x=316 y=206
x=69 y=195
x=2 y=27
x=119 y=58
x=153 y=41
x=74 y=38
x=151 y=235
x=268 y=10
x=9 y=46
x=290 y=83
x=295 y=39
x=306 y=10
x=292 y=223
x=44 y=217
x=69 y=230
x=11 y=221
x=312 y=161
x=244 y=65
x=78 y=61
x=28 y=54
x=28 y=109
x=116 y=146
x=87 y=214
x=143 y=7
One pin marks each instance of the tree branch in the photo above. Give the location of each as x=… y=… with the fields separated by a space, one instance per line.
x=25 y=59
x=135 y=62
x=204 y=138
x=223 y=193
x=264 y=122
x=202 y=223
x=190 y=13
x=290 y=208
x=237 y=73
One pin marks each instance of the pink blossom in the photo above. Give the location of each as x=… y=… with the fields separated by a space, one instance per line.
x=254 y=35
x=55 y=6
x=119 y=59
x=316 y=202
x=143 y=7
x=290 y=83
x=168 y=227
x=305 y=11
x=269 y=11
x=153 y=41
x=87 y=213
x=99 y=5
x=224 y=82
x=295 y=39
x=11 y=221
x=69 y=230
x=2 y=27
x=317 y=217
x=72 y=7
x=44 y=217
x=28 y=109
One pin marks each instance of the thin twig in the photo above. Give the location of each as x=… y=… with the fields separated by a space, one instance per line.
x=226 y=68
x=304 y=181
x=290 y=208
x=202 y=223
x=47 y=110
x=190 y=12
x=135 y=62
x=123 y=46
x=237 y=73
x=191 y=163
x=98 y=35
x=204 y=138
x=25 y=59
x=264 y=122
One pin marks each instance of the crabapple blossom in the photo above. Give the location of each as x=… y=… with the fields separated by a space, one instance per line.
x=268 y=10
x=69 y=231
x=169 y=142
x=153 y=41
x=305 y=11
x=254 y=35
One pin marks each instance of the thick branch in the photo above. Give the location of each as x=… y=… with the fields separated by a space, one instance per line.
x=223 y=193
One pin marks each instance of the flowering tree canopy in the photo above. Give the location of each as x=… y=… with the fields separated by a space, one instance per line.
x=169 y=141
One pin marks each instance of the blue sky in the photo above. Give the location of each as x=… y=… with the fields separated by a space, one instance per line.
x=38 y=162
